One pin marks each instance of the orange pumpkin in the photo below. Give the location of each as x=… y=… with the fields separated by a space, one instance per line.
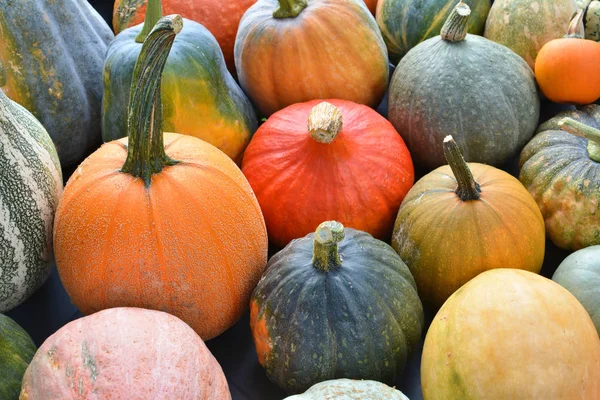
x=372 y=4
x=568 y=69
x=170 y=226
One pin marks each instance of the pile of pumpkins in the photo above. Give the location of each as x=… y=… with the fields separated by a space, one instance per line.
x=258 y=157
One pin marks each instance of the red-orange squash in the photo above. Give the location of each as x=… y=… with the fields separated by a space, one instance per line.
x=372 y=4
x=349 y=164
x=173 y=227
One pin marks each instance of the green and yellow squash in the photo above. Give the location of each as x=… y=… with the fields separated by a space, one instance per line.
x=16 y=351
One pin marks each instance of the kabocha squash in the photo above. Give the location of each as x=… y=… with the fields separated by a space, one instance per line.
x=462 y=219
x=125 y=353
x=404 y=24
x=172 y=226
x=510 y=334
x=463 y=85
x=30 y=187
x=349 y=164
x=561 y=170
x=291 y=51
x=200 y=97
x=16 y=351
x=348 y=389
x=51 y=57
x=525 y=26
x=335 y=304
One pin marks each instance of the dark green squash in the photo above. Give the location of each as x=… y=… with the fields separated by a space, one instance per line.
x=16 y=351
x=335 y=304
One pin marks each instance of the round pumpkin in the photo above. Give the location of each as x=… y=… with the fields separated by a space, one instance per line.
x=334 y=304
x=16 y=351
x=125 y=353
x=171 y=226
x=406 y=23
x=463 y=85
x=511 y=334
x=349 y=389
x=291 y=51
x=348 y=164
x=525 y=26
x=462 y=219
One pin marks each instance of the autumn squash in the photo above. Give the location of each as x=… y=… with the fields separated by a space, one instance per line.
x=349 y=389
x=200 y=97
x=462 y=219
x=561 y=169
x=466 y=86
x=347 y=163
x=51 y=63
x=292 y=51
x=404 y=24
x=592 y=19
x=525 y=26
x=168 y=224
x=336 y=303
x=16 y=351
x=125 y=353
x=511 y=334
x=567 y=69
x=372 y=4
x=30 y=187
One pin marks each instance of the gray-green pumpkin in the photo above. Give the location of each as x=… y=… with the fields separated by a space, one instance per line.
x=350 y=389
x=480 y=92
x=16 y=351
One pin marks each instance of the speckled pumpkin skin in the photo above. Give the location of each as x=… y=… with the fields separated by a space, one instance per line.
x=16 y=351
x=359 y=321
x=51 y=57
x=125 y=353
x=350 y=389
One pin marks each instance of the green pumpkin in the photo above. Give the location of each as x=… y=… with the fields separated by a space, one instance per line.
x=406 y=23
x=51 y=57
x=335 y=304
x=349 y=389
x=562 y=172
x=463 y=85
x=16 y=351
x=199 y=96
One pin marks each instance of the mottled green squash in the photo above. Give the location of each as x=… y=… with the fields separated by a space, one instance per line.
x=16 y=351
x=591 y=20
x=349 y=389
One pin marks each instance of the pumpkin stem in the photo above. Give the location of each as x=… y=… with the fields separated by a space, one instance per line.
x=467 y=188
x=585 y=131
x=153 y=14
x=289 y=8
x=324 y=122
x=325 y=247
x=146 y=152
x=455 y=28
x=576 y=28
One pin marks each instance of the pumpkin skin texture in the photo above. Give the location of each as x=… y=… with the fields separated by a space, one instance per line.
x=125 y=353
x=404 y=24
x=351 y=312
x=359 y=179
x=332 y=49
x=349 y=389
x=16 y=351
x=511 y=334
x=479 y=92
x=30 y=187
x=54 y=70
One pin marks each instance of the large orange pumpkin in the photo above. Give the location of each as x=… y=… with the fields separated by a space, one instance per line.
x=173 y=227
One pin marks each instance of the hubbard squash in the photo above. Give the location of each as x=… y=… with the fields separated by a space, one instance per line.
x=334 y=304
x=171 y=225
x=349 y=389
x=16 y=351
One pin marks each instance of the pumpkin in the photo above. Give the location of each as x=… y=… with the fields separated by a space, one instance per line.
x=349 y=389
x=200 y=97
x=125 y=353
x=579 y=273
x=592 y=20
x=567 y=69
x=372 y=4
x=50 y=63
x=16 y=351
x=30 y=187
x=336 y=303
x=466 y=86
x=292 y=51
x=160 y=223
x=511 y=334
x=404 y=24
x=525 y=26
x=348 y=164
x=561 y=170
x=462 y=219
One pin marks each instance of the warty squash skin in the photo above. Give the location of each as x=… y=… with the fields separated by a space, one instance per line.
x=125 y=353
x=349 y=389
x=16 y=351
x=51 y=57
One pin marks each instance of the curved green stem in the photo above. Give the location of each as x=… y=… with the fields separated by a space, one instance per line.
x=467 y=188
x=585 y=131
x=153 y=14
x=325 y=247
x=455 y=28
x=146 y=152
x=324 y=122
x=289 y=8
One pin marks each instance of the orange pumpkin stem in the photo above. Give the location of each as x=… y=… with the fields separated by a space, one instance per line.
x=467 y=188
x=585 y=131
x=324 y=122
x=153 y=14
x=289 y=8
x=325 y=248
x=455 y=27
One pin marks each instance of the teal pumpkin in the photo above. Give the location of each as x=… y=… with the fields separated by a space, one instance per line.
x=16 y=352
